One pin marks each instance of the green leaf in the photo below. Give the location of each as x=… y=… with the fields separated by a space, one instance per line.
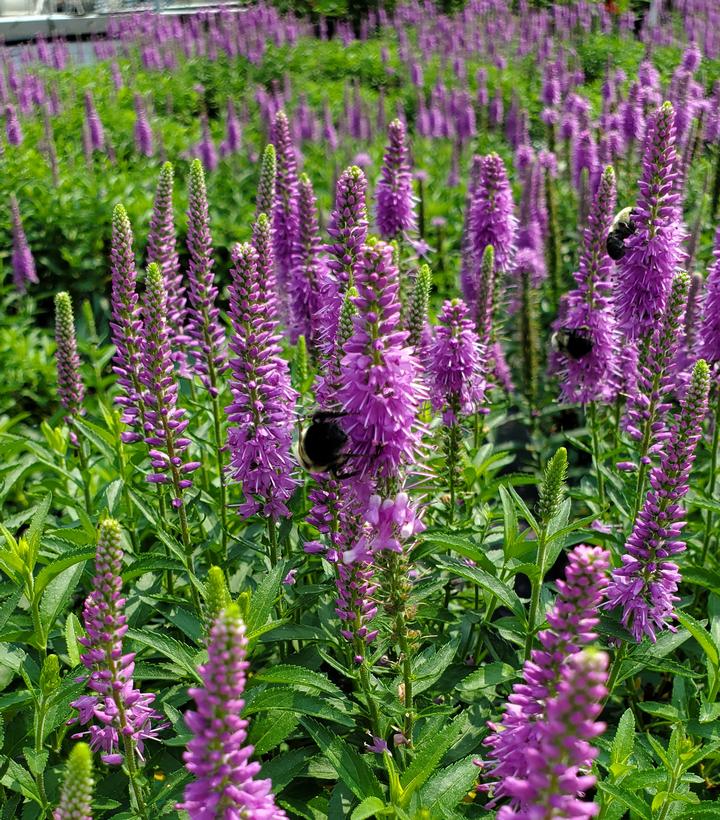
x=510 y=522
x=18 y=779
x=269 y=729
x=37 y=525
x=448 y=786
x=526 y=514
x=700 y=576
x=624 y=740
x=701 y=635
x=69 y=559
x=282 y=769
x=113 y=492
x=57 y=594
x=37 y=761
x=430 y=664
x=705 y=810
x=289 y=700
x=351 y=769
x=100 y=437
x=154 y=562
x=428 y=757
x=167 y=646
x=298 y=676
x=370 y=807
x=264 y=597
x=72 y=631
x=10 y=606
x=489 y=675
x=488 y=582
x=628 y=798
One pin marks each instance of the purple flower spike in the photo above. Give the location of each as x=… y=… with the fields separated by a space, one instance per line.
x=646 y=584
x=654 y=252
x=126 y=323
x=115 y=709
x=162 y=249
x=491 y=222
x=590 y=310
x=143 y=131
x=94 y=124
x=23 y=264
x=455 y=363
x=308 y=269
x=526 y=720
x=285 y=213
x=555 y=783
x=218 y=756
x=395 y=201
x=261 y=415
x=70 y=384
x=203 y=326
x=380 y=393
x=12 y=126
x=710 y=328
x=348 y=224
x=164 y=420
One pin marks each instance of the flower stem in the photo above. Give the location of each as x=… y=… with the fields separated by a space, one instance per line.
x=221 y=474
x=85 y=476
x=372 y=708
x=535 y=594
x=592 y=418
x=711 y=483
x=272 y=536
x=401 y=630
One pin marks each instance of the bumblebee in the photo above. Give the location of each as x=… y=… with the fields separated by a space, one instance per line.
x=320 y=449
x=623 y=227
x=573 y=342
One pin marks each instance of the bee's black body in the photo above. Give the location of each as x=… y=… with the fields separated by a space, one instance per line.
x=575 y=343
x=622 y=228
x=321 y=445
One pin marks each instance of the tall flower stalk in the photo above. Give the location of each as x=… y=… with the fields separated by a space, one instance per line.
x=119 y=717
x=528 y=719
x=165 y=423
x=218 y=755
x=203 y=325
x=71 y=389
x=654 y=252
x=23 y=264
x=285 y=210
x=646 y=584
x=395 y=201
x=76 y=793
x=162 y=249
x=458 y=385
x=261 y=414
x=648 y=404
x=710 y=350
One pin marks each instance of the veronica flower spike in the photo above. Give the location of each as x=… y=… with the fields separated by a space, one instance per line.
x=119 y=718
x=225 y=784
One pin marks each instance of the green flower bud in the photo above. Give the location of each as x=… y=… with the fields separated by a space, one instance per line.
x=552 y=489
x=76 y=795
x=217 y=594
x=50 y=675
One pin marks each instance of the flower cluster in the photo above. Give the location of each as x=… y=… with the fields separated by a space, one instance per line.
x=260 y=415
x=307 y=269
x=203 y=325
x=527 y=720
x=455 y=363
x=164 y=420
x=395 y=202
x=126 y=324
x=646 y=584
x=161 y=248
x=380 y=393
x=590 y=315
x=23 y=264
x=218 y=755
x=710 y=327
x=70 y=384
x=116 y=709
x=76 y=793
x=654 y=252
x=561 y=750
